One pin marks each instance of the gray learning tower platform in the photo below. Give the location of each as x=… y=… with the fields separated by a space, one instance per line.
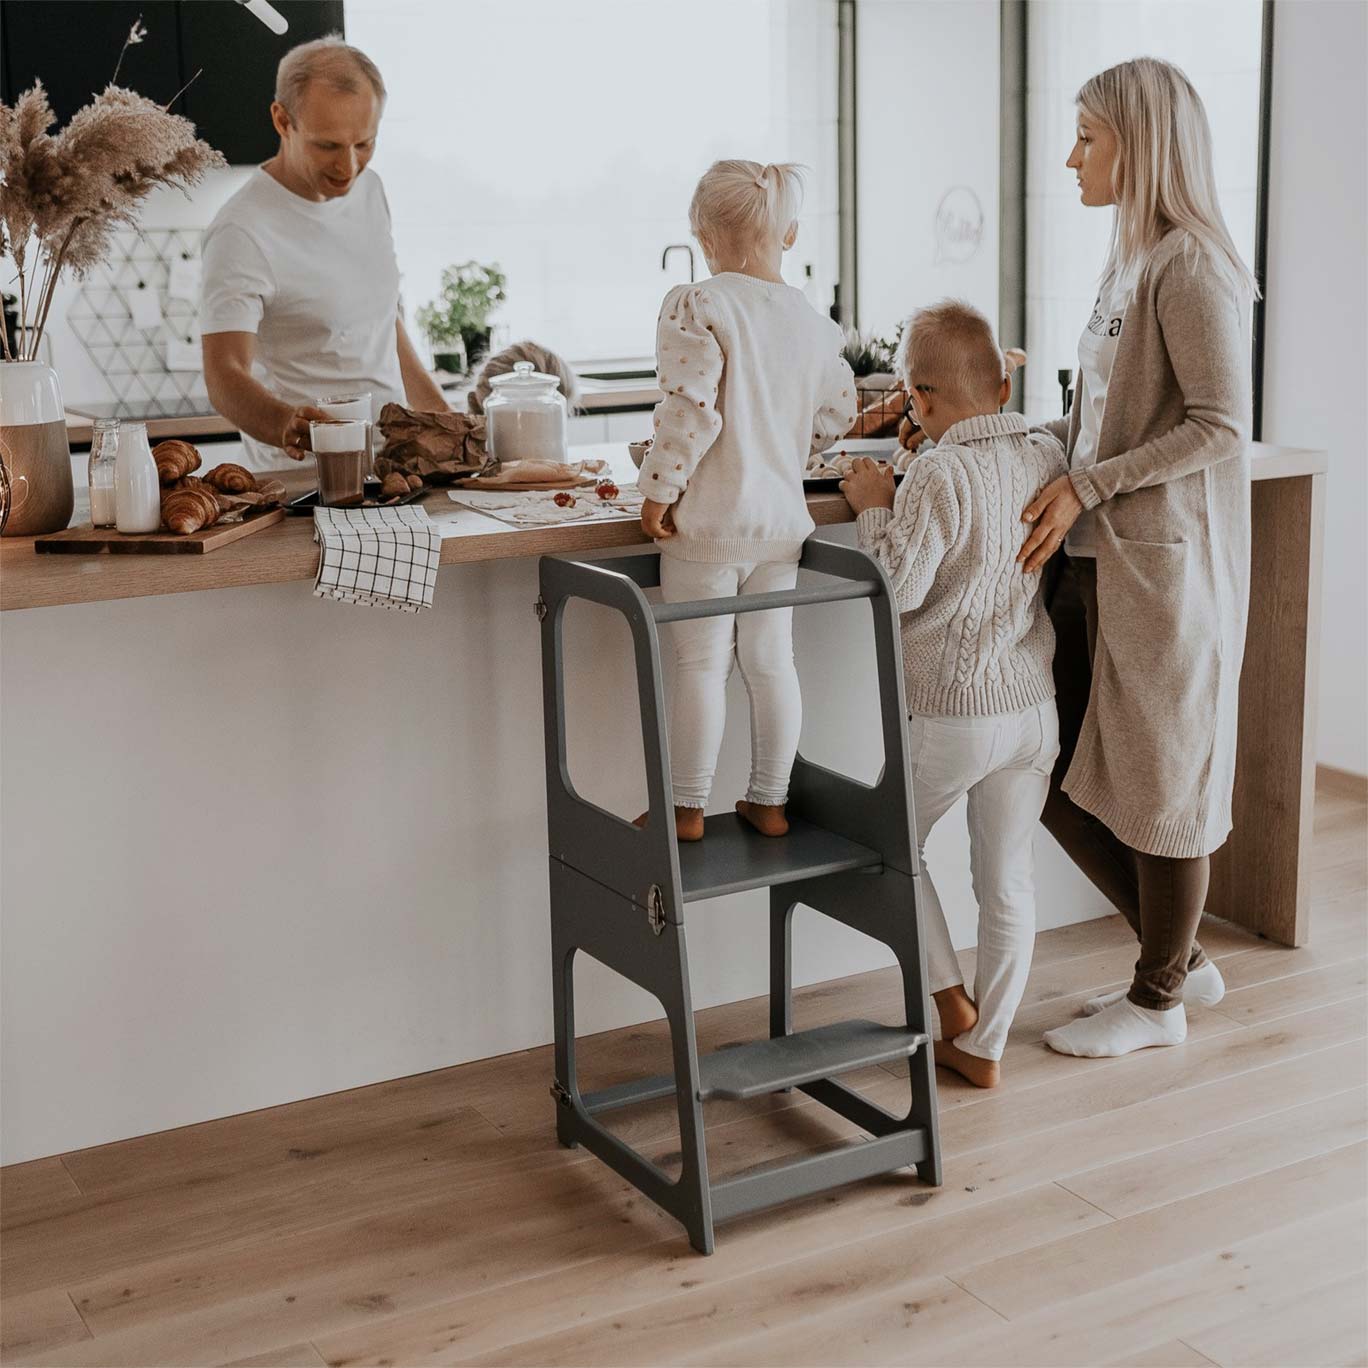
x=618 y=893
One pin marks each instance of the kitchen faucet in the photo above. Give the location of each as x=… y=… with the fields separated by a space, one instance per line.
x=678 y=247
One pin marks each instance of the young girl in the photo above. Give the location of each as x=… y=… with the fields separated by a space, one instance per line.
x=754 y=382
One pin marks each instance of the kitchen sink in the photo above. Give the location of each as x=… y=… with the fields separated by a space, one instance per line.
x=618 y=368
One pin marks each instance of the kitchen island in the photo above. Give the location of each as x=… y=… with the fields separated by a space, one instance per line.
x=258 y=847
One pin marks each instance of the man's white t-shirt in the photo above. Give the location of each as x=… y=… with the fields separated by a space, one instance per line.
x=319 y=286
x=1096 y=355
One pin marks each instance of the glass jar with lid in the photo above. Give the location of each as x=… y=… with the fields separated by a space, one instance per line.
x=104 y=456
x=526 y=416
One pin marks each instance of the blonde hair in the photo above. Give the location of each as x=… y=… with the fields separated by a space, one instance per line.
x=745 y=203
x=950 y=347
x=502 y=363
x=1163 y=176
x=336 y=63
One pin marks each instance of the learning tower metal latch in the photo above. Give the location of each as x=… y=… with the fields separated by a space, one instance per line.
x=655 y=909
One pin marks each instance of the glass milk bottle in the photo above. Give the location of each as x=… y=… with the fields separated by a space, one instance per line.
x=137 y=491
x=526 y=416
x=104 y=455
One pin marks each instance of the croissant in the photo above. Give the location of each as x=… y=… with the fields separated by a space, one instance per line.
x=394 y=485
x=231 y=479
x=188 y=510
x=174 y=459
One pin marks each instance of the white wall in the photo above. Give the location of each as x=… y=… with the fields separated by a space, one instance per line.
x=928 y=125
x=255 y=847
x=1316 y=359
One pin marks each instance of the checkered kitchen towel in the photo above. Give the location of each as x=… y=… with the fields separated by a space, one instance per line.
x=383 y=556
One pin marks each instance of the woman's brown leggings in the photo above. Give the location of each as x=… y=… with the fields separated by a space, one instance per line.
x=1161 y=898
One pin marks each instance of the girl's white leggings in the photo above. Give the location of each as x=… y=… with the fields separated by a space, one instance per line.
x=705 y=648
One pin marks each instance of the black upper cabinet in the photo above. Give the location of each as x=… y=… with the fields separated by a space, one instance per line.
x=72 y=45
x=231 y=102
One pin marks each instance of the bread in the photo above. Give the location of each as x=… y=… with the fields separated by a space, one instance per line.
x=187 y=510
x=394 y=485
x=531 y=472
x=175 y=459
x=231 y=479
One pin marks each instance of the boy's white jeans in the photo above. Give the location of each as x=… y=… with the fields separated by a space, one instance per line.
x=1003 y=763
x=705 y=650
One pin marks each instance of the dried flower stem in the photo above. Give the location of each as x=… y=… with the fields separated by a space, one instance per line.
x=54 y=271
x=135 y=35
x=183 y=89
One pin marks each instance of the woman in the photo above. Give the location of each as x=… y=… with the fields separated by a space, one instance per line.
x=1149 y=597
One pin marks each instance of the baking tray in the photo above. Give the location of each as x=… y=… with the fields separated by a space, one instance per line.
x=304 y=505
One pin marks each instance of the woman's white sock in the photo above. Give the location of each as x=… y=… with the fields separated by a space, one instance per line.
x=1119 y=1030
x=1203 y=987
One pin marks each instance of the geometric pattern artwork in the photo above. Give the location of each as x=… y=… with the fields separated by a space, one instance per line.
x=133 y=359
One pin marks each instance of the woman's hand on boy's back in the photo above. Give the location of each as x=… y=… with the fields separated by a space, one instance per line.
x=869 y=485
x=657 y=522
x=1053 y=511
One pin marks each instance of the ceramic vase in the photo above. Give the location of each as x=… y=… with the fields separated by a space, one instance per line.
x=40 y=495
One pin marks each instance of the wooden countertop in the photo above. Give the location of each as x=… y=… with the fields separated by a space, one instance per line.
x=287 y=551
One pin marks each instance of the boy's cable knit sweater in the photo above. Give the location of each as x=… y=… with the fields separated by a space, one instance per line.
x=976 y=639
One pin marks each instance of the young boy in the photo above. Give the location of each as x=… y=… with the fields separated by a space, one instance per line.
x=977 y=648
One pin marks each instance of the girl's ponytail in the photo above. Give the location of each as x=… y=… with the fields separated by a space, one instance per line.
x=744 y=200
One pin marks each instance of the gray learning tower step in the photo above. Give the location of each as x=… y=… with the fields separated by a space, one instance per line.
x=618 y=894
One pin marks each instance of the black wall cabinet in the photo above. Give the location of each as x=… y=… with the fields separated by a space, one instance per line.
x=72 y=46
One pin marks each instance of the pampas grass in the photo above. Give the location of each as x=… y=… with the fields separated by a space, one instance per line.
x=63 y=195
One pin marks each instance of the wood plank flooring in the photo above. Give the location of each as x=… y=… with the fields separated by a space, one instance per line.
x=1201 y=1205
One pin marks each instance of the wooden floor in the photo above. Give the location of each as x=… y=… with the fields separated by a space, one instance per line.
x=1204 y=1204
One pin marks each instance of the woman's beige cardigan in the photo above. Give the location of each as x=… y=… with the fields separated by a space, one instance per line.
x=1156 y=757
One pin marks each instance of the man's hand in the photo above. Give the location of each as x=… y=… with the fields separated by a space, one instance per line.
x=295 y=438
x=657 y=520
x=1054 y=511
x=868 y=485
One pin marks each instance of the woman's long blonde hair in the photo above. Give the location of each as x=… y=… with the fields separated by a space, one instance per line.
x=1163 y=176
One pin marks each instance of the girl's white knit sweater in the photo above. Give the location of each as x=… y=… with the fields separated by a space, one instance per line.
x=976 y=639
x=754 y=383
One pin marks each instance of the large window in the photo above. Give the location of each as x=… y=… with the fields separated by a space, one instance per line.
x=564 y=141
x=928 y=120
x=1218 y=44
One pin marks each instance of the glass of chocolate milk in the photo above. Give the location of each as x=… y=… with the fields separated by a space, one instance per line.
x=356 y=406
x=341 y=454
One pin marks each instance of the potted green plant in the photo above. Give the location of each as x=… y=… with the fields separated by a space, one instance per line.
x=456 y=323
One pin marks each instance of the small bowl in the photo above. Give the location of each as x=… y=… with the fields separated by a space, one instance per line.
x=639 y=451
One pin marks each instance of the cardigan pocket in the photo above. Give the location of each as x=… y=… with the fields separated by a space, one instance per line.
x=1158 y=671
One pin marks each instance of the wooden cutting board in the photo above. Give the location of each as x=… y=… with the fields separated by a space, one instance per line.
x=85 y=541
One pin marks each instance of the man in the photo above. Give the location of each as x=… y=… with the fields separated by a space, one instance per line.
x=301 y=284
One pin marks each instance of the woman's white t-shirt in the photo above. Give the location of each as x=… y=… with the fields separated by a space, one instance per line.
x=318 y=283
x=1096 y=354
